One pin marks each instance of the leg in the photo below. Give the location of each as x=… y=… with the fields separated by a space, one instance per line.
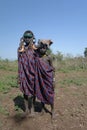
x=26 y=104
x=31 y=105
x=52 y=111
x=43 y=107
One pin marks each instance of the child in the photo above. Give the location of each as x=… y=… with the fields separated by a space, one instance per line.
x=45 y=75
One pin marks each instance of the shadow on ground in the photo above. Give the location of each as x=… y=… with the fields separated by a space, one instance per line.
x=19 y=102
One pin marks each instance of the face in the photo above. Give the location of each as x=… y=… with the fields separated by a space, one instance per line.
x=43 y=47
x=27 y=37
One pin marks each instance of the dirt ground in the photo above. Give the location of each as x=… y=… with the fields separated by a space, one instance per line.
x=70 y=110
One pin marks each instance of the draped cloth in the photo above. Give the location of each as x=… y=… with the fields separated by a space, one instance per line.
x=44 y=81
x=36 y=76
x=26 y=71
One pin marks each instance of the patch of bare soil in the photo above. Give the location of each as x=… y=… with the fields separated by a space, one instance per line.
x=70 y=111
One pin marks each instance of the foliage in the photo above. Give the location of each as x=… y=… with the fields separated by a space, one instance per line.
x=59 y=56
x=85 y=52
x=69 y=63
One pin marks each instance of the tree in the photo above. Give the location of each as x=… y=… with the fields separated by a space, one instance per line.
x=85 y=52
x=59 y=56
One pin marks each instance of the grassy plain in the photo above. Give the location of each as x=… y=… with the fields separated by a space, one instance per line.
x=70 y=98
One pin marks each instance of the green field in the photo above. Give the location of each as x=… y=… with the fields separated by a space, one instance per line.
x=70 y=96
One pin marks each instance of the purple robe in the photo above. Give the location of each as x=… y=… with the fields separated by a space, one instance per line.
x=44 y=81
x=26 y=71
x=36 y=76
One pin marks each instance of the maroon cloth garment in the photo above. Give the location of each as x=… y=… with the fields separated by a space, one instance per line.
x=36 y=76
x=26 y=70
x=44 y=81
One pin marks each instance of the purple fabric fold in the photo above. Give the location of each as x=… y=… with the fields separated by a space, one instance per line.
x=44 y=81
x=26 y=71
x=36 y=76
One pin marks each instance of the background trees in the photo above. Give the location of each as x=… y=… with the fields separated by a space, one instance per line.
x=85 y=52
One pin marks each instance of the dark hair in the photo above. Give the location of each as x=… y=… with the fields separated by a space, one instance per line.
x=28 y=31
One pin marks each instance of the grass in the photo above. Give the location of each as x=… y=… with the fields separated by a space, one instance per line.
x=74 y=78
x=7 y=83
x=69 y=82
x=4 y=110
x=8 y=65
x=71 y=64
x=8 y=75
